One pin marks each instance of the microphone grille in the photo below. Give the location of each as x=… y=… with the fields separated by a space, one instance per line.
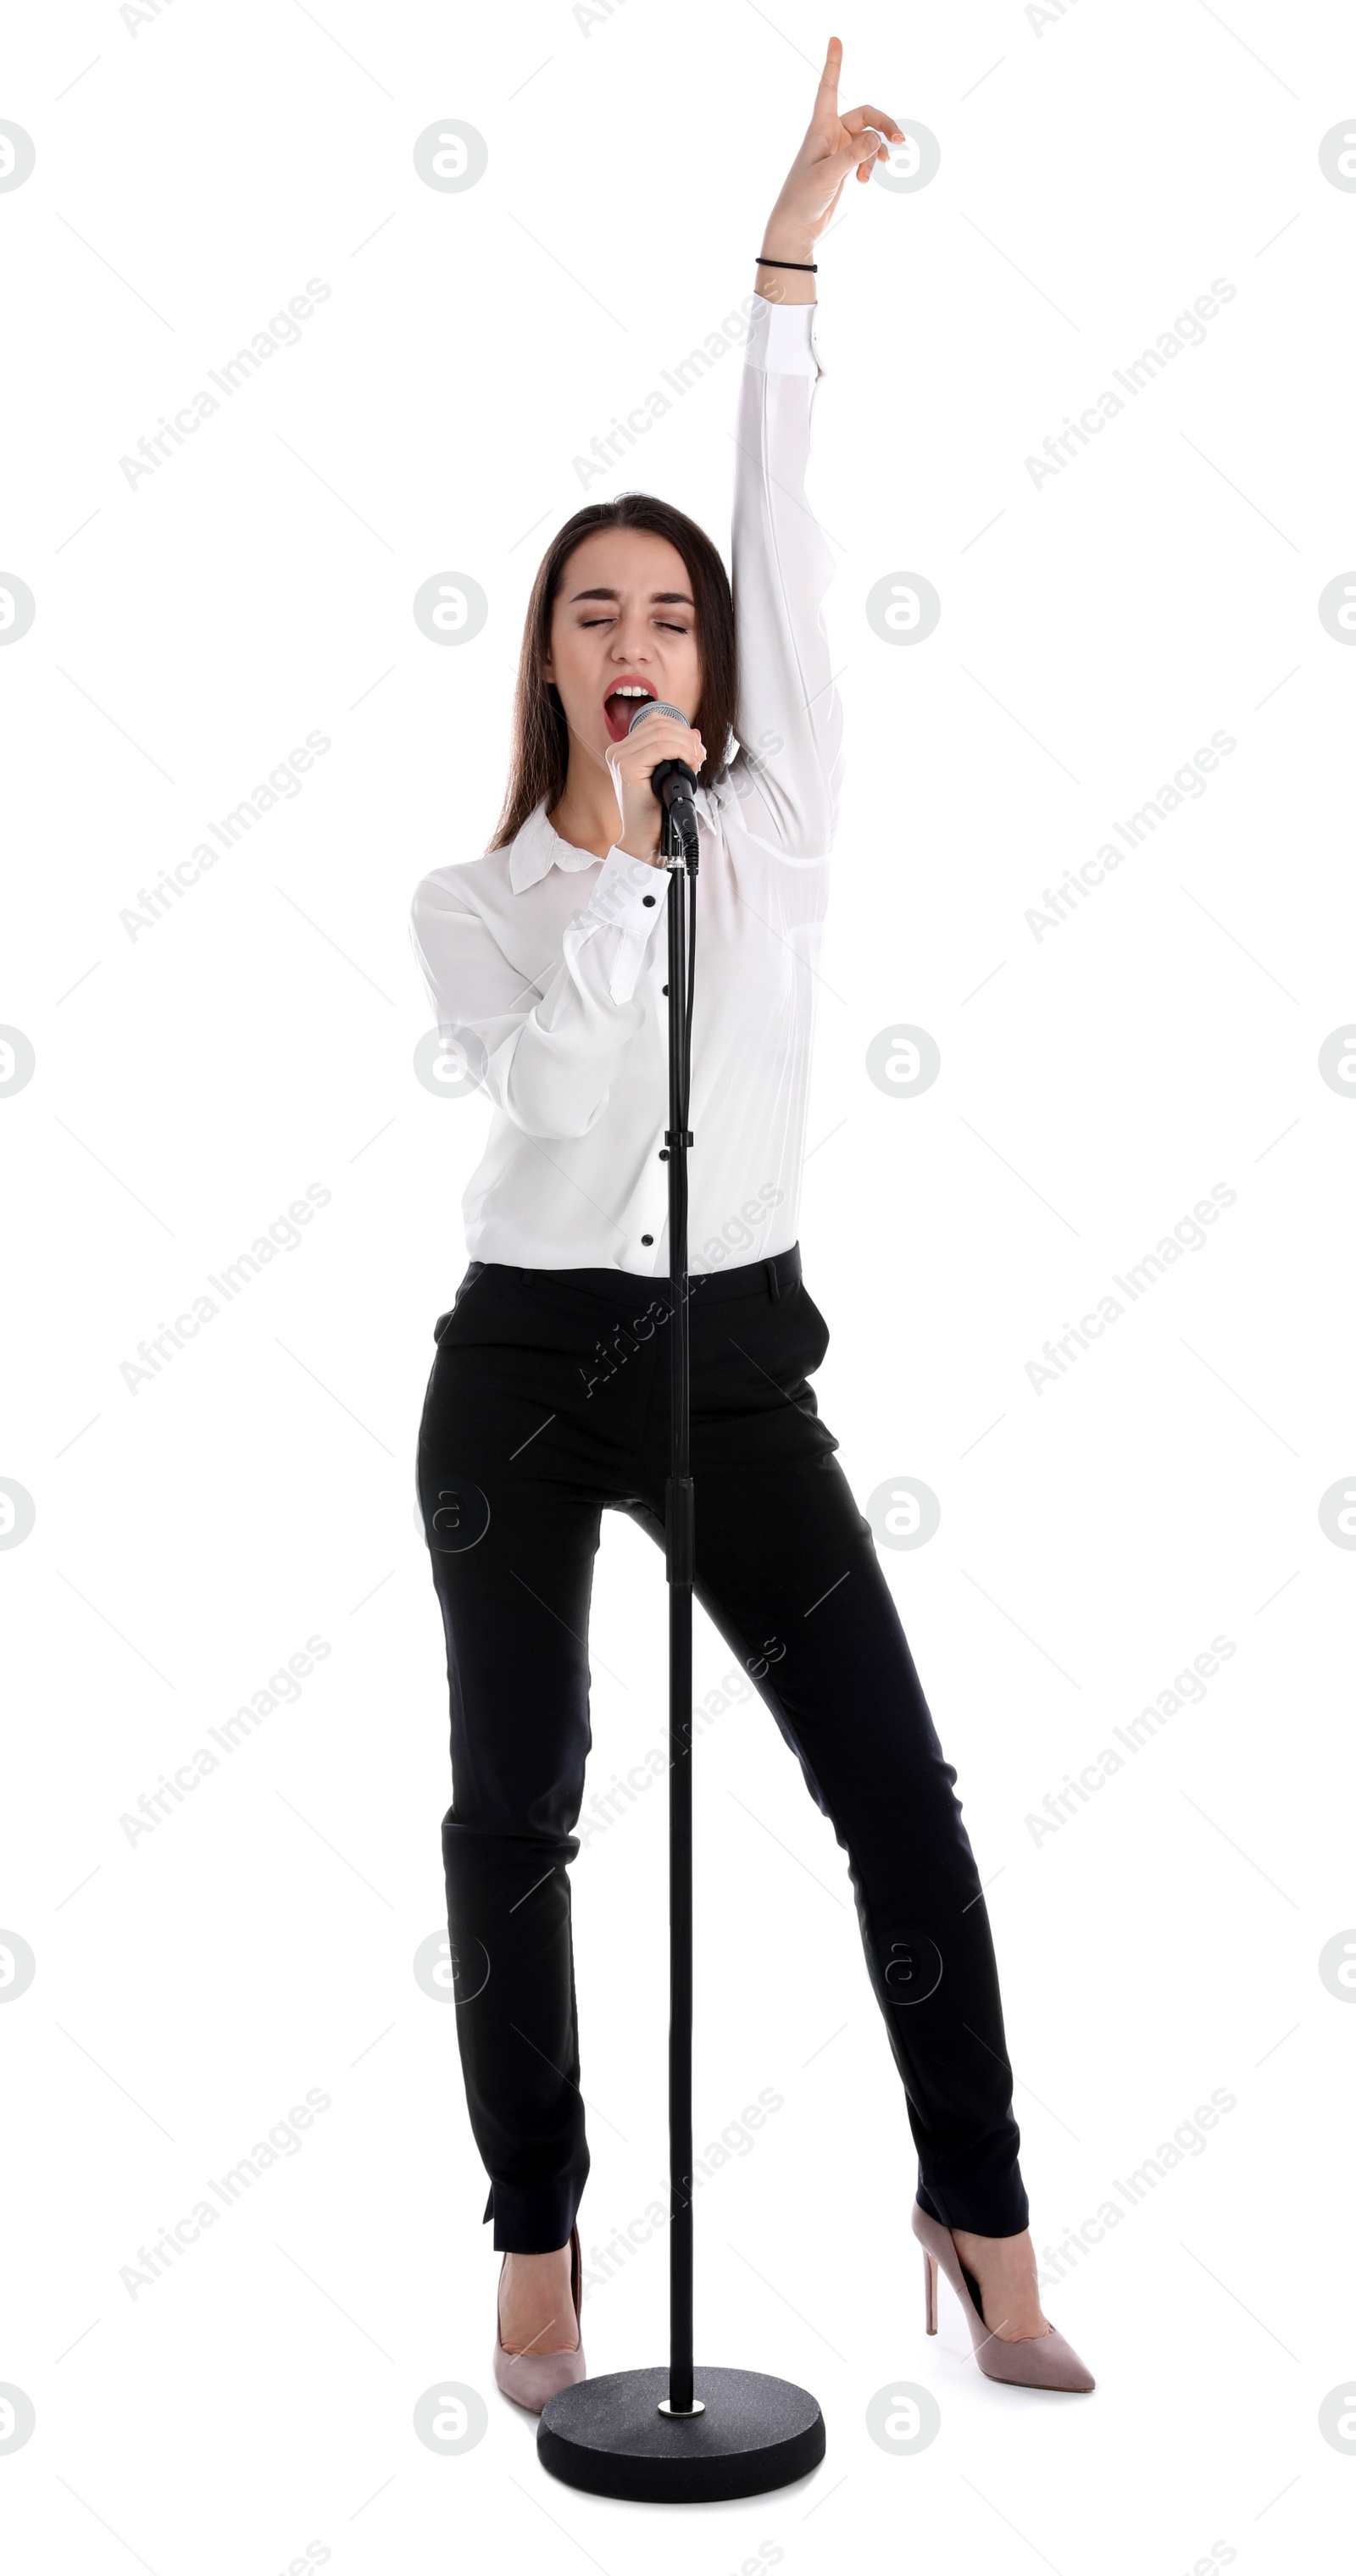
x=655 y=707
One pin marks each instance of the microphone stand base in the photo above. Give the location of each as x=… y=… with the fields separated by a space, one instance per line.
x=614 y=2436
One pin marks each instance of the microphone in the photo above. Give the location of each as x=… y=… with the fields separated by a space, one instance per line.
x=671 y=780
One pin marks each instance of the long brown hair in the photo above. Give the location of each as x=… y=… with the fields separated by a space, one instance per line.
x=540 y=755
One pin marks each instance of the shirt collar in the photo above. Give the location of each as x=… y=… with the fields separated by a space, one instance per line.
x=538 y=848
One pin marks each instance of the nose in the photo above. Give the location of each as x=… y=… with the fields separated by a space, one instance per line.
x=631 y=641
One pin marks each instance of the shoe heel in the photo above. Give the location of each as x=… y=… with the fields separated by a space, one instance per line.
x=929 y=2291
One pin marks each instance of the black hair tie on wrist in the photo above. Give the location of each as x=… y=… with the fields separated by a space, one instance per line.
x=810 y=266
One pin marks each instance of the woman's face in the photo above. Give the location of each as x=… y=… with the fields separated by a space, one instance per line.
x=623 y=619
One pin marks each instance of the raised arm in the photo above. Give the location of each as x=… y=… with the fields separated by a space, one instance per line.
x=789 y=721
x=788 y=717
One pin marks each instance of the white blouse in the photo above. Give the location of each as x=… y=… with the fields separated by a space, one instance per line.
x=546 y=966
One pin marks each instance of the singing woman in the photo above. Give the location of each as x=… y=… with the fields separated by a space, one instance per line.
x=548 y=1401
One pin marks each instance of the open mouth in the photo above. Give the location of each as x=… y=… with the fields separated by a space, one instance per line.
x=620 y=706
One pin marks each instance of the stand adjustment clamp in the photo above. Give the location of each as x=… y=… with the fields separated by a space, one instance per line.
x=670 y=1136
x=679 y=1498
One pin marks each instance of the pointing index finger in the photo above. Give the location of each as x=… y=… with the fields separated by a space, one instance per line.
x=827 y=95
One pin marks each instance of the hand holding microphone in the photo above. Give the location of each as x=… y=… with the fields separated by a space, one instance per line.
x=660 y=745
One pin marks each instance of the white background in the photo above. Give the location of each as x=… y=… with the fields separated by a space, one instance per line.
x=1097 y=173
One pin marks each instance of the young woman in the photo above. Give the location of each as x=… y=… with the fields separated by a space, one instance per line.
x=548 y=1401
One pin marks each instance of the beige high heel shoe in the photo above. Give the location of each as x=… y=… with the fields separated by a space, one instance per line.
x=1036 y=2361
x=529 y=2378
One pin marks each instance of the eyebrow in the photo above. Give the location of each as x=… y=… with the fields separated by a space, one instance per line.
x=659 y=598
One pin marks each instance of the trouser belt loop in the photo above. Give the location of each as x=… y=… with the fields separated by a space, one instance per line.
x=774 y=1285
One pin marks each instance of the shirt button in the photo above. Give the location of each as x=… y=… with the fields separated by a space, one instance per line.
x=647 y=898
x=647 y=1238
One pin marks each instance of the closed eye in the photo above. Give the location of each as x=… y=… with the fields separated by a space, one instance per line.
x=669 y=624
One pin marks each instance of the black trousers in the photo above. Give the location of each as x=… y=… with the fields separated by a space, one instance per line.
x=547 y=1404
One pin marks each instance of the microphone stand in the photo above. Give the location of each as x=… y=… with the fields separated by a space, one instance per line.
x=740 y=2432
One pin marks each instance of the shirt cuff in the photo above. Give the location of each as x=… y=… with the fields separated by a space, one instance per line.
x=782 y=339
x=629 y=896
